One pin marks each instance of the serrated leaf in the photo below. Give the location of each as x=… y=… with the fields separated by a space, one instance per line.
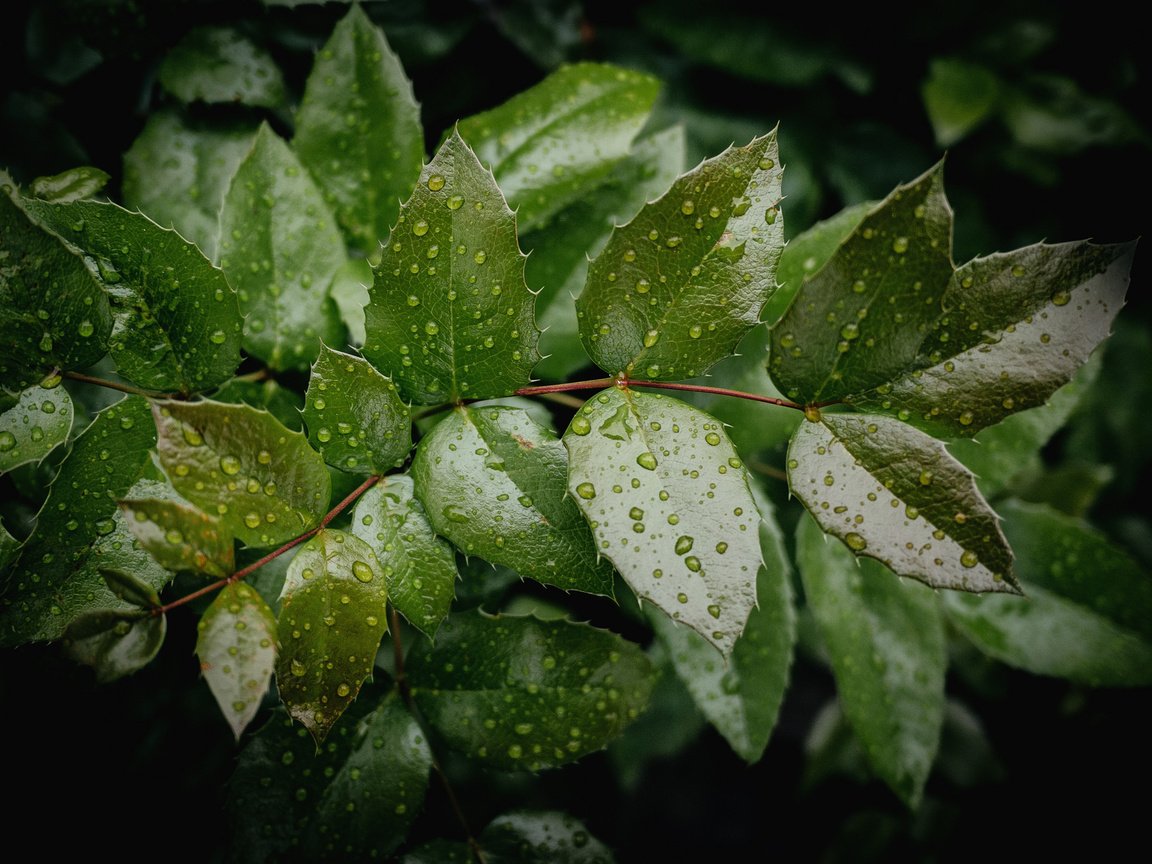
x=677 y=287
x=892 y=493
x=493 y=482
x=114 y=643
x=75 y=184
x=241 y=464
x=281 y=402
x=280 y=247
x=419 y=568
x=131 y=589
x=181 y=537
x=668 y=501
x=220 y=64
x=1016 y=326
x=332 y=617
x=551 y=143
x=450 y=316
x=355 y=416
x=1087 y=615
x=176 y=322
x=359 y=104
x=858 y=321
x=541 y=837
x=958 y=97
x=350 y=293
x=492 y=686
x=236 y=644
x=32 y=428
x=885 y=640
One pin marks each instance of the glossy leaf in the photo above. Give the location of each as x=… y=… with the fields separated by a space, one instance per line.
x=32 y=428
x=350 y=293
x=885 y=640
x=280 y=248
x=541 y=837
x=419 y=568
x=181 y=537
x=262 y=480
x=450 y=316
x=114 y=643
x=355 y=416
x=892 y=493
x=131 y=589
x=668 y=501
x=283 y=403
x=358 y=129
x=677 y=287
x=493 y=482
x=75 y=184
x=492 y=687
x=332 y=617
x=958 y=97
x=220 y=64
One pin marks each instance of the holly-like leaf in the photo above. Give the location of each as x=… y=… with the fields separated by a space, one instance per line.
x=541 y=837
x=355 y=416
x=236 y=644
x=677 y=287
x=885 y=641
x=114 y=643
x=551 y=143
x=332 y=617
x=350 y=293
x=958 y=97
x=493 y=687
x=131 y=589
x=221 y=64
x=32 y=428
x=419 y=568
x=493 y=482
x=177 y=325
x=75 y=184
x=181 y=537
x=892 y=493
x=450 y=316
x=668 y=501
x=283 y=403
x=280 y=247
x=241 y=464
x=358 y=129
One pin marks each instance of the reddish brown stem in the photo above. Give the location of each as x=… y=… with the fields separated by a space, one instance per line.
x=116 y=385
x=601 y=383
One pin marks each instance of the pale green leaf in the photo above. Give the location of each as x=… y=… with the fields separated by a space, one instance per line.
x=958 y=97
x=350 y=293
x=181 y=537
x=221 y=64
x=33 y=427
x=541 y=837
x=75 y=184
x=114 y=643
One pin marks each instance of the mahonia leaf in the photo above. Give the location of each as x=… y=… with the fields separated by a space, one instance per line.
x=131 y=589
x=355 y=416
x=283 y=403
x=280 y=247
x=885 y=641
x=241 y=464
x=892 y=493
x=450 y=316
x=75 y=184
x=493 y=687
x=358 y=129
x=181 y=537
x=32 y=428
x=220 y=64
x=677 y=287
x=236 y=644
x=114 y=643
x=350 y=292
x=419 y=567
x=550 y=144
x=541 y=837
x=958 y=96
x=332 y=618
x=668 y=501
x=493 y=482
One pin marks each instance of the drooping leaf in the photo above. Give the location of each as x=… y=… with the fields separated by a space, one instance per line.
x=1052 y=114
x=114 y=643
x=492 y=686
x=668 y=501
x=677 y=287
x=180 y=537
x=75 y=184
x=958 y=97
x=885 y=641
x=32 y=428
x=450 y=316
x=332 y=617
x=419 y=568
x=551 y=143
x=541 y=837
x=283 y=403
x=355 y=416
x=221 y=64
x=236 y=644
x=280 y=247
x=358 y=129
x=350 y=293
x=131 y=589
x=493 y=482
x=892 y=493
x=242 y=465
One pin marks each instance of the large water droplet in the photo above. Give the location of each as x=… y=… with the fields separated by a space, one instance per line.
x=855 y=542
x=361 y=571
x=647 y=461
x=581 y=425
x=586 y=491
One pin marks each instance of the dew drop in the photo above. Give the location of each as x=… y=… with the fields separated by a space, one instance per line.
x=343 y=690
x=218 y=337
x=900 y=245
x=925 y=478
x=298 y=669
x=695 y=331
x=855 y=542
x=362 y=571
x=714 y=611
x=455 y=202
x=684 y=545
x=436 y=182
x=712 y=438
x=420 y=228
x=581 y=425
x=252 y=520
x=323 y=434
x=7 y=441
x=646 y=461
x=969 y=559
x=586 y=491
x=230 y=465
x=651 y=338
x=692 y=563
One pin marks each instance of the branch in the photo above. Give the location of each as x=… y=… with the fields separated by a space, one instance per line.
x=116 y=385
x=622 y=381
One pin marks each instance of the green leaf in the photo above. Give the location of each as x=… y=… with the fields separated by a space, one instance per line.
x=236 y=644
x=332 y=617
x=669 y=504
x=493 y=687
x=114 y=643
x=9 y=547
x=220 y=64
x=1017 y=326
x=285 y=404
x=33 y=427
x=1052 y=114
x=550 y=144
x=181 y=537
x=493 y=482
x=892 y=493
x=419 y=568
x=241 y=464
x=176 y=322
x=75 y=184
x=958 y=97
x=350 y=293
x=541 y=837
x=280 y=248
x=886 y=644
x=858 y=321
x=355 y=416
x=677 y=287
x=131 y=589
x=1087 y=615
x=358 y=129
x=450 y=316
